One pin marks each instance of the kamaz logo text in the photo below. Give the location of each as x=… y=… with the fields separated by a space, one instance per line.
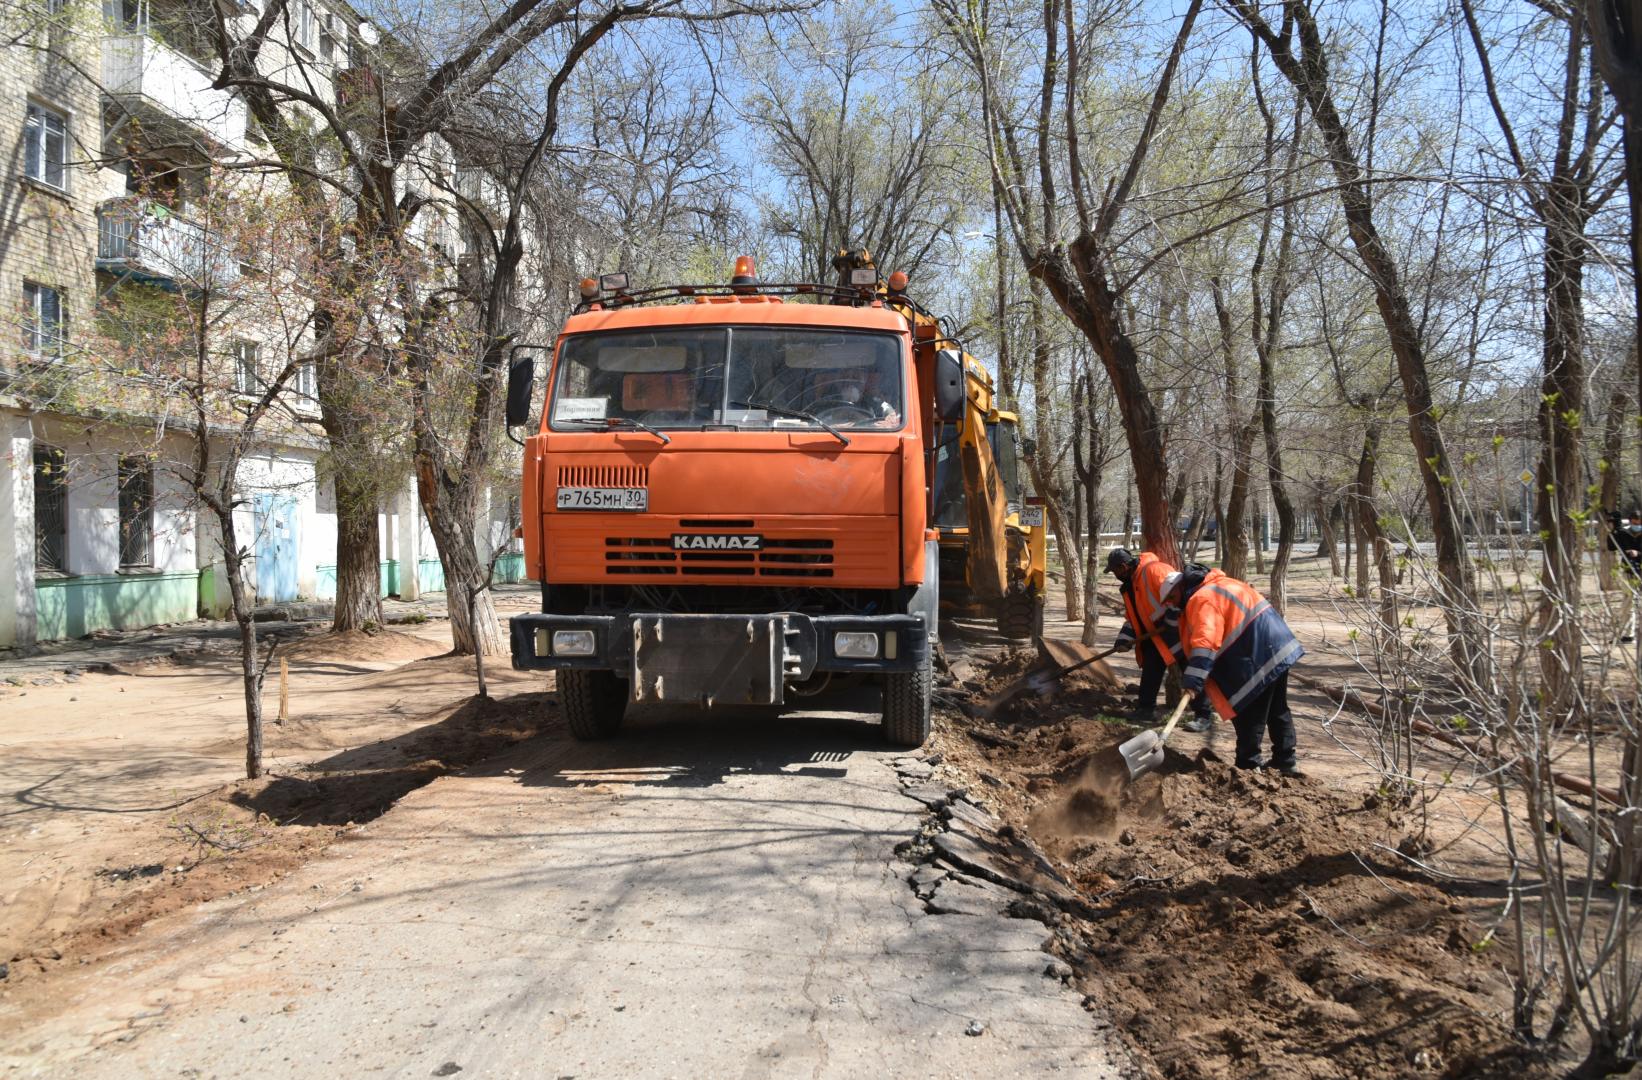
x=717 y=542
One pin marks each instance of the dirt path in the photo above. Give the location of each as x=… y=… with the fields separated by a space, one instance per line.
x=120 y=791
x=698 y=898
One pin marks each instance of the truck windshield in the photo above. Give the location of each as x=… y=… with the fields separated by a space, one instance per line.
x=730 y=377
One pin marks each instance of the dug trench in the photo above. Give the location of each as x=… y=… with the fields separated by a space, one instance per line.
x=244 y=835
x=1232 y=923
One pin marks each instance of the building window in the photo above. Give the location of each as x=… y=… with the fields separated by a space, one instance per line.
x=42 y=321
x=329 y=27
x=136 y=511
x=45 y=146
x=246 y=377
x=50 y=509
x=128 y=15
x=304 y=29
x=307 y=381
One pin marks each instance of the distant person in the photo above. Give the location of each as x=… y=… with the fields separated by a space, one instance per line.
x=1625 y=537
x=850 y=389
x=1238 y=655
x=1140 y=582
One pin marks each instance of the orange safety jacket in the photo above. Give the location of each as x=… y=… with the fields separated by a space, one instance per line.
x=1145 y=610
x=1236 y=644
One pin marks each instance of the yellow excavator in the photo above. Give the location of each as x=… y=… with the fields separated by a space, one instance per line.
x=992 y=537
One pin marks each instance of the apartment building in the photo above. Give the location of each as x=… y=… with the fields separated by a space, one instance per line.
x=113 y=128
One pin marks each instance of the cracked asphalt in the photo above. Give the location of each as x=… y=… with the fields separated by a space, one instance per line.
x=703 y=896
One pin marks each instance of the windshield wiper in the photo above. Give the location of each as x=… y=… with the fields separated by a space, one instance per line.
x=617 y=421
x=795 y=414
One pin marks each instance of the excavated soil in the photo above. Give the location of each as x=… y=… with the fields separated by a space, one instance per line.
x=358 y=645
x=1249 y=924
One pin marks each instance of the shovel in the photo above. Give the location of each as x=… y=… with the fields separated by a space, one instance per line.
x=1144 y=752
x=1043 y=681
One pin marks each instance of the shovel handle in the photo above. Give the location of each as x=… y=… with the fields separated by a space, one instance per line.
x=1174 y=718
x=1067 y=670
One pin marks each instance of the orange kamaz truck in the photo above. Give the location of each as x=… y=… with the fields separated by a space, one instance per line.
x=728 y=502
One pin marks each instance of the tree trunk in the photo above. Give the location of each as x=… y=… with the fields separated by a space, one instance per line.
x=1613 y=470
x=1371 y=539
x=1346 y=532
x=1071 y=560
x=358 y=563
x=1092 y=564
x=1087 y=465
x=1234 y=537
x=1561 y=466
x=1043 y=476
x=451 y=507
x=1279 y=486
x=233 y=563
x=1328 y=542
x=1260 y=528
x=1086 y=298
x=1309 y=74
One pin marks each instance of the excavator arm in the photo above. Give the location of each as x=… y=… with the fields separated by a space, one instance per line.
x=961 y=419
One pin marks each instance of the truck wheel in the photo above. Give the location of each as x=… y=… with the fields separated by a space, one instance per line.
x=1021 y=617
x=906 y=705
x=592 y=702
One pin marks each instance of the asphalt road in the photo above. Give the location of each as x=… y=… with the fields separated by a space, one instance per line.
x=705 y=896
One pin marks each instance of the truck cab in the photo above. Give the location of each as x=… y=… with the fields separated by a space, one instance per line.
x=726 y=504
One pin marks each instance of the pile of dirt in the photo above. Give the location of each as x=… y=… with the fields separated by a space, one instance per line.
x=361 y=645
x=1249 y=924
x=1078 y=693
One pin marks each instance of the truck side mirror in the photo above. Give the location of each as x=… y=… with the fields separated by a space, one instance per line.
x=521 y=379
x=949 y=385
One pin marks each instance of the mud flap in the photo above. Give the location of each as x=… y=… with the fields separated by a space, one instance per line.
x=710 y=659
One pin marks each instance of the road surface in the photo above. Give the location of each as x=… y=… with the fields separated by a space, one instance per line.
x=705 y=896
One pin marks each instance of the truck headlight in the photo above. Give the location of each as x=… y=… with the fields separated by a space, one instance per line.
x=855 y=645
x=573 y=643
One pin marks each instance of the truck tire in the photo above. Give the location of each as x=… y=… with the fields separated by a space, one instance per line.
x=1021 y=616
x=906 y=705
x=592 y=702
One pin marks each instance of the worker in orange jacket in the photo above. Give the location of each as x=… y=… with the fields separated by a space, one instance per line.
x=1238 y=654
x=1140 y=582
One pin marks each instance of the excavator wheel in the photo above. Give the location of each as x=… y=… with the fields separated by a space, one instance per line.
x=592 y=702
x=906 y=705
x=1020 y=618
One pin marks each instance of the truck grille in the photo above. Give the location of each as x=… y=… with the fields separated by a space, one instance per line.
x=781 y=557
x=604 y=476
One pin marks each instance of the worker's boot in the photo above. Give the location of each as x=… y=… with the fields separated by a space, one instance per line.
x=1143 y=717
x=1202 y=718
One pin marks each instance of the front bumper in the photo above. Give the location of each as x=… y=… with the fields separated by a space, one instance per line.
x=719 y=659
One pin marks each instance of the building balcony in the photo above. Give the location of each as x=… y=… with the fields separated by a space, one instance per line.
x=150 y=78
x=144 y=239
x=358 y=97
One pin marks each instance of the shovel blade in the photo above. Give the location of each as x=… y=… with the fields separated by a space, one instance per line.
x=1142 y=754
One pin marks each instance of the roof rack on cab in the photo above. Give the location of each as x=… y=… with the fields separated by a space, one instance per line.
x=612 y=291
x=861 y=286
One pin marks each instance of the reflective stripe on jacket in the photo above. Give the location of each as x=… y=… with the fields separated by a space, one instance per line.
x=1144 y=610
x=1236 y=644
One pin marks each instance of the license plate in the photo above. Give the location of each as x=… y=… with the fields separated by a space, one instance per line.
x=588 y=498
x=1032 y=517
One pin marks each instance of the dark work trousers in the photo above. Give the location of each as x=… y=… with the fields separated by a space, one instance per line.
x=1152 y=669
x=1267 y=712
